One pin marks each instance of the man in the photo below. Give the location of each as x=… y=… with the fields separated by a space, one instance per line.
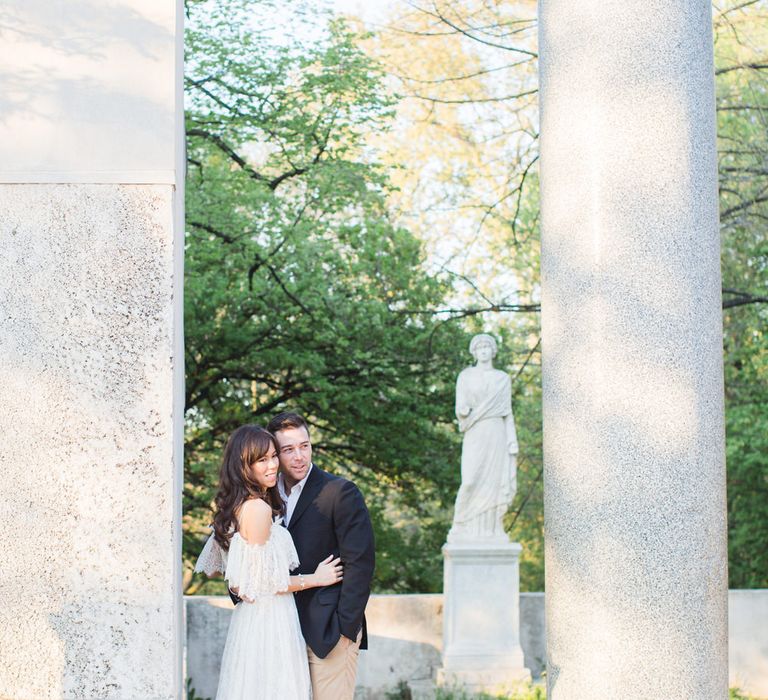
x=326 y=514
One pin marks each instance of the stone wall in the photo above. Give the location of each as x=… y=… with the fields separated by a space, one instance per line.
x=406 y=637
x=748 y=641
x=86 y=441
x=91 y=357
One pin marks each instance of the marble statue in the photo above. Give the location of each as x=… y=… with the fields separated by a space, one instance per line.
x=489 y=449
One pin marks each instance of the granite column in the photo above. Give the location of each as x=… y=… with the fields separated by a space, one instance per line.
x=635 y=511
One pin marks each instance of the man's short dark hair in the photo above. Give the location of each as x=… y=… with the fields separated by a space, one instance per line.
x=286 y=421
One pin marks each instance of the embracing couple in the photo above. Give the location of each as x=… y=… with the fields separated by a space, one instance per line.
x=283 y=526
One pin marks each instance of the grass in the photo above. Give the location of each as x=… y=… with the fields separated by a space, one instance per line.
x=527 y=692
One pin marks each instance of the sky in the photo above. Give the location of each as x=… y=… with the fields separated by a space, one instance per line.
x=373 y=13
x=370 y=11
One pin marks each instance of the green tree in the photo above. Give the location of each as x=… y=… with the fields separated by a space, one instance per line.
x=472 y=104
x=741 y=52
x=466 y=136
x=300 y=291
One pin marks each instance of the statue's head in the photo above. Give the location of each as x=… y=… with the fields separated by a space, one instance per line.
x=482 y=340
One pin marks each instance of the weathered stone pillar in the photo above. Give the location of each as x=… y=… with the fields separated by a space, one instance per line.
x=91 y=361
x=635 y=512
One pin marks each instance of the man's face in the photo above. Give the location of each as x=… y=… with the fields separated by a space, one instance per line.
x=295 y=454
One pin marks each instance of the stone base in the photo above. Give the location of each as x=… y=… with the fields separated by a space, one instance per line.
x=481 y=624
x=422 y=689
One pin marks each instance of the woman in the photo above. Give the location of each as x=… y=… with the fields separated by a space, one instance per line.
x=265 y=656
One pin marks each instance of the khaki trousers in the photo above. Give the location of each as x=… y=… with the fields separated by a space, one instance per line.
x=333 y=678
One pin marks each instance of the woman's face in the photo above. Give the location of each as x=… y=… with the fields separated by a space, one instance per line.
x=483 y=352
x=264 y=470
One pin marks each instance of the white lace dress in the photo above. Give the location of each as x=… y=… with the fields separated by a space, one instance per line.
x=265 y=657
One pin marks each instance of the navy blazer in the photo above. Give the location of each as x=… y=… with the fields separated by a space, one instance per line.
x=330 y=517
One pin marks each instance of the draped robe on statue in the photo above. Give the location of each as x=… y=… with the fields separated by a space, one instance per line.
x=488 y=479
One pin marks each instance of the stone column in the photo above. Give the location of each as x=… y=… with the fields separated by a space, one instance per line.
x=635 y=511
x=91 y=358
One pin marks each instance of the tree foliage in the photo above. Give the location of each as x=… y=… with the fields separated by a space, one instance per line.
x=741 y=50
x=301 y=293
x=472 y=99
x=339 y=258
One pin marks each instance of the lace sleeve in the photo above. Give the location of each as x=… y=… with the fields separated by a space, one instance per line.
x=261 y=569
x=212 y=559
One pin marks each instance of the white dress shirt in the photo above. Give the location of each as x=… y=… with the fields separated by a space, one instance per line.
x=291 y=499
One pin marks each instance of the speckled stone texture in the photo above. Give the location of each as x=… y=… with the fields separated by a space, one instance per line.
x=635 y=512
x=481 y=619
x=88 y=593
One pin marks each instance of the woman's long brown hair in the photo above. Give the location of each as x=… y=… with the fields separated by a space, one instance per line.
x=247 y=444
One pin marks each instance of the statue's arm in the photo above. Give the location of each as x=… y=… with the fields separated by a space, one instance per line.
x=463 y=408
x=509 y=421
x=509 y=424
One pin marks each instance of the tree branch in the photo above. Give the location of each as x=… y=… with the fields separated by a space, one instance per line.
x=226 y=148
x=741 y=66
x=527 y=359
x=740 y=298
x=741 y=207
x=210 y=229
x=467 y=34
x=470 y=100
x=272 y=183
x=459 y=78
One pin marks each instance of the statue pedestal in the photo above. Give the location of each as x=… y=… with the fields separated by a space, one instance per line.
x=481 y=619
